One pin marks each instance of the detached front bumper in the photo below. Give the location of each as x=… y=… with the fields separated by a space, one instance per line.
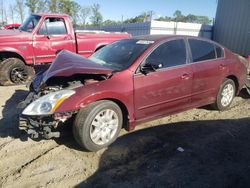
x=39 y=127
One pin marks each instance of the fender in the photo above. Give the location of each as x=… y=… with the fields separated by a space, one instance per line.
x=100 y=45
x=16 y=53
x=125 y=100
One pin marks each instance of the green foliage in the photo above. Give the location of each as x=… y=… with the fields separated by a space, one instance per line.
x=69 y=7
x=143 y=17
x=96 y=18
x=32 y=5
x=111 y=22
x=84 y=14
x=165 y=19
x=53 y=5
x=178 y=17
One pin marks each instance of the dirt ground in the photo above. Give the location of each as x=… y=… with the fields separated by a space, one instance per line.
x=216 y=152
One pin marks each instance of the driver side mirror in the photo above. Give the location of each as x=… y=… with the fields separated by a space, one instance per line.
x=150 y=66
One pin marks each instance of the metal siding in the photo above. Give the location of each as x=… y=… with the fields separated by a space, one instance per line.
x=232 y=25
x=134 y=29
x=159 y=27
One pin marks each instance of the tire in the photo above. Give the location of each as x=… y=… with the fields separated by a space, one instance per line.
x=84 y=130
x=13 y=71
x=223 y=103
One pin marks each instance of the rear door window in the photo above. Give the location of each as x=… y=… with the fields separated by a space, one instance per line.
x=201 y=50
x=169 y=54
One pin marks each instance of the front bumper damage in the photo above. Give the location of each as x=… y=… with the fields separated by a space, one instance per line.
x=39 y=127
x=42 y=126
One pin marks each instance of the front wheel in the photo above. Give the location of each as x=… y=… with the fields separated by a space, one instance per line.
x=98 y=125
x=225 y=95
x=13 y=71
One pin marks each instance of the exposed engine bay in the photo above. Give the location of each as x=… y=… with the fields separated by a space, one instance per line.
x=67 y=72
x=46 y=126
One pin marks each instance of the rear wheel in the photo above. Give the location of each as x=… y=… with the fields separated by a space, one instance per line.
x=13 y=71
x=98 y=125
x=225 y=95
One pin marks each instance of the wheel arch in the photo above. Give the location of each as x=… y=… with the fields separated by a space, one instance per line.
x=124 y=109
x=236 y=81
x=10 y=54
x=99 y=47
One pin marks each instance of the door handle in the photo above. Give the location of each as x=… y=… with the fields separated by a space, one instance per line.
x=185 y=76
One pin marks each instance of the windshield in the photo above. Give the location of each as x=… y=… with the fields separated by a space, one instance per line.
x=120 y=55
x=30 y=23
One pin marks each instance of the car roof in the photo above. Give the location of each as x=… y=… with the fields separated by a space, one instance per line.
x=51 y=14
x=157 y=37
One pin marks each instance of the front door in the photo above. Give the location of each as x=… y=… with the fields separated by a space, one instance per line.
x=168 y=89
x=51 y=37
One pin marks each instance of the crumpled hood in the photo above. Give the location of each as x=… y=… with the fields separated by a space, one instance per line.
x=68 y=64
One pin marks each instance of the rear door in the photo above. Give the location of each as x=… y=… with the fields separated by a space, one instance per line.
x=51 y=37
x=208 y=68
x=167 y=89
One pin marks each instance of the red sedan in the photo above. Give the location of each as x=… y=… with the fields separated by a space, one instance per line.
x=129 y=82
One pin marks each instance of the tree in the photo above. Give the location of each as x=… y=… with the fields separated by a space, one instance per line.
x=111 y=22
x=12 y=13
x=32 y=5
x=96 y=18
x=178 y=17
x=20 y=9
x=143 y=17
x=53 y=6
x=165 y=19
x=5 y=16
x=43 y=6
x=2 y=12
x=84 y=14
x=71 y=8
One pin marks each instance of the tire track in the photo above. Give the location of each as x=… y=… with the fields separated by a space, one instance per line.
x=17 y=171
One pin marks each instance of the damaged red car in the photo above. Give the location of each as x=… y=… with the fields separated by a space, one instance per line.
x=129 y=82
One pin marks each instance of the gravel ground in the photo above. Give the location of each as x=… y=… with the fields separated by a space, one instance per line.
x=197 y=148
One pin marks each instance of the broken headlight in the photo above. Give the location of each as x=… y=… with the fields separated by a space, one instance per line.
x=47 y=104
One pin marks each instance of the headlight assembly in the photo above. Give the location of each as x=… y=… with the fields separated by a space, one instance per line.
x=47 y=104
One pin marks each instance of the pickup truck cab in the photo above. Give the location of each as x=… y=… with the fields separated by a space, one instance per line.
x=38 y=40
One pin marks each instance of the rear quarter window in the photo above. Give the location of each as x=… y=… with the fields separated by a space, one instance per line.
x=219 y=51
x=201 y=50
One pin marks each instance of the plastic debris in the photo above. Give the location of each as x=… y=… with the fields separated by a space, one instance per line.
x=180 y=149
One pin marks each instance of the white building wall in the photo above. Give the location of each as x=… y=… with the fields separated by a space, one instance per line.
x=160 y=27
x=180 y=28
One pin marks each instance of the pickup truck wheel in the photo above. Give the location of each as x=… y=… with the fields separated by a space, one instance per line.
x=98 y=125
x=13 y=71
x=225 y=95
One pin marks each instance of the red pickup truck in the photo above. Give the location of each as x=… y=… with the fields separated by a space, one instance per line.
x=39 y=38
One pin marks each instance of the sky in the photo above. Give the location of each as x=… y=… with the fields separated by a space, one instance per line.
x=116 y=9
